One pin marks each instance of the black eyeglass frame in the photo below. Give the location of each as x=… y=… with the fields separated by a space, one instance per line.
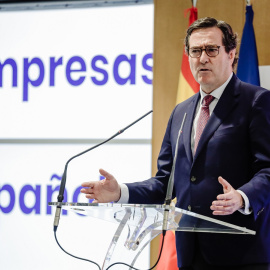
x=206 y=48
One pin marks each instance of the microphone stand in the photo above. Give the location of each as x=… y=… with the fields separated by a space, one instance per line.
x=60 y=197
x=168 y=198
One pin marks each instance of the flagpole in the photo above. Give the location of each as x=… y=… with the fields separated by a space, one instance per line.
x=194 y=3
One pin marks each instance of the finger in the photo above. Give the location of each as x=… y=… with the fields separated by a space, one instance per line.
x=87 y=190
x=223 y=182
x=222 y=203
x=225 y=197
x=104 y=173
x=90 y=196
x=222 y=208
x=84 y=190
x=221 y=213
x=88 y=184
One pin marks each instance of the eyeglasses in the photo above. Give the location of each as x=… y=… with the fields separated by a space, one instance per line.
x=196 y=52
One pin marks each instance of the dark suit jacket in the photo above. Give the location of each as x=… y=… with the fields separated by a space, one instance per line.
x=235 y=145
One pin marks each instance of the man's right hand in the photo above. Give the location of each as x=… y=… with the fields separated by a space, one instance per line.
x=106 y=190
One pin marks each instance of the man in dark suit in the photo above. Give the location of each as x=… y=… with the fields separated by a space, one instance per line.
x=223 y=164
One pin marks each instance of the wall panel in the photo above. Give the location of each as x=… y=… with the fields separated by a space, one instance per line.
x=169 y=31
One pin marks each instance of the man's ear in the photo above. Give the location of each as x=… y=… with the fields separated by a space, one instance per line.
x=232 y=54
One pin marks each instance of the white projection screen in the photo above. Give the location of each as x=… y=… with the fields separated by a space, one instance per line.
x=70 y=78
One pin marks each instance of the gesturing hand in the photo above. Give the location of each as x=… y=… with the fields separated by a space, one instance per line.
x=106 y=190
x=229 y=202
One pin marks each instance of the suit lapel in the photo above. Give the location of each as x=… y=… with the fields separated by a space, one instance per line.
x=228 y=100
x=187 y=129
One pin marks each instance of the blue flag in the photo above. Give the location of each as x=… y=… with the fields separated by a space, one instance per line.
x=247 y=69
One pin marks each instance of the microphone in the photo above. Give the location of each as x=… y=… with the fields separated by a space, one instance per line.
x=168 y=198
x=60 y=197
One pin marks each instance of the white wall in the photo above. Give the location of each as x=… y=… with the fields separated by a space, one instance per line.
x=264 y=76
x=48 y=115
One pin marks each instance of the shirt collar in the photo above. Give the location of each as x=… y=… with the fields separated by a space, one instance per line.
x=217 y=92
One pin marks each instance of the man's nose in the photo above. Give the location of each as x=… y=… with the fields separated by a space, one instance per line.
x=204 y=58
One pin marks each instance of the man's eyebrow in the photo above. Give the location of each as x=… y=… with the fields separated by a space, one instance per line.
x=208 y=45
x=212 y=45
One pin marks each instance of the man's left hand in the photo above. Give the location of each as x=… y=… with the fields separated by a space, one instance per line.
x=229 y=202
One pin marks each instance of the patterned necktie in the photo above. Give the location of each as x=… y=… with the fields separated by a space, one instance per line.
x=203 y=118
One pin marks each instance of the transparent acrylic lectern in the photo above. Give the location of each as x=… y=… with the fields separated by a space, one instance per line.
x=140 y=223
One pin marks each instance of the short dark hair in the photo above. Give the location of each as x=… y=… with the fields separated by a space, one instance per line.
x=229 y=38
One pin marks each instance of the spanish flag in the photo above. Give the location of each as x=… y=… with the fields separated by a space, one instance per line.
x=187 y=85
x=186 y=88
x=168 y=259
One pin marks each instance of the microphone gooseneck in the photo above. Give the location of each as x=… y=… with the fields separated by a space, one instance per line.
x=168 y=198
x=60 y=197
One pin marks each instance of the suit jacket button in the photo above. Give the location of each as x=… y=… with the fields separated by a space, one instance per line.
x=193 y=179
x=189 y=208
